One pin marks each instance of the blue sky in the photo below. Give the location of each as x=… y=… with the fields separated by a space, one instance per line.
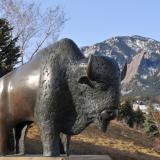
x=93 y=21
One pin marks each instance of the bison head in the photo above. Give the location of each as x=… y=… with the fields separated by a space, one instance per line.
x=96 y=93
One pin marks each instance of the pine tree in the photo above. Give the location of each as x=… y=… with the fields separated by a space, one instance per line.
x=150 y=125
x=9 y=52
x=125 y=112
x=138 y=118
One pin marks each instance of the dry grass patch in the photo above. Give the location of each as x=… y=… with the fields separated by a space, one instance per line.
x=120 y=142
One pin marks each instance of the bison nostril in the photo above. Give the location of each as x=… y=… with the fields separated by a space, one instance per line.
x=108 y=114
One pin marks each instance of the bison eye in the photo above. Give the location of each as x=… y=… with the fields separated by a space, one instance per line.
x=85 y=80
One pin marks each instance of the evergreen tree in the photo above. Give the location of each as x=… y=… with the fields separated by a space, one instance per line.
x=150 y=125
x=125 y=112
x=9 y=52
x=138 y=118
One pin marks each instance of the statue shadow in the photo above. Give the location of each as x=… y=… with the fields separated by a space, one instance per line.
x=34 y=146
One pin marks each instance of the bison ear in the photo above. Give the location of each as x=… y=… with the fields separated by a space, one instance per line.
x=85 y=80
x=124 y=71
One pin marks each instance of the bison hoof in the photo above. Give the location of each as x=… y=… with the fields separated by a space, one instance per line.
x=49 y=154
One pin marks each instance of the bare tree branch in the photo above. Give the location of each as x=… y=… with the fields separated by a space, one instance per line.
x=31 y=25
x=39 y=46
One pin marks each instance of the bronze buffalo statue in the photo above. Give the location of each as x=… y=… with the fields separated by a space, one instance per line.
x=61 y=91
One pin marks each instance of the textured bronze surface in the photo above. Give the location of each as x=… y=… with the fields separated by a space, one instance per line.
x=61 y=91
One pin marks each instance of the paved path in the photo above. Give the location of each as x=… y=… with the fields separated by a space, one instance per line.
x=72 y=157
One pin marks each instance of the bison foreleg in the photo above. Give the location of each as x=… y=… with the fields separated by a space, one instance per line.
x=50 y=140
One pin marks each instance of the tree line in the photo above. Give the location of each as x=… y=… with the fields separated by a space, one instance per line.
x=149 y=122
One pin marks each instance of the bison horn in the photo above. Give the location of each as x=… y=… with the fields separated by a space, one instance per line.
x=123 y=73
x=89 y=68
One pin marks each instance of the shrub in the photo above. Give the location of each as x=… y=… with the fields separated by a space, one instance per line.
x=139 y=118
x=126 y=112
x=150 y=127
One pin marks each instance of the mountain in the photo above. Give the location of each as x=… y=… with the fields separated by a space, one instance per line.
x=143 y=58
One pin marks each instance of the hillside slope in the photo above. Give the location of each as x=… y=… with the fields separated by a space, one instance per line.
x=120 y=142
